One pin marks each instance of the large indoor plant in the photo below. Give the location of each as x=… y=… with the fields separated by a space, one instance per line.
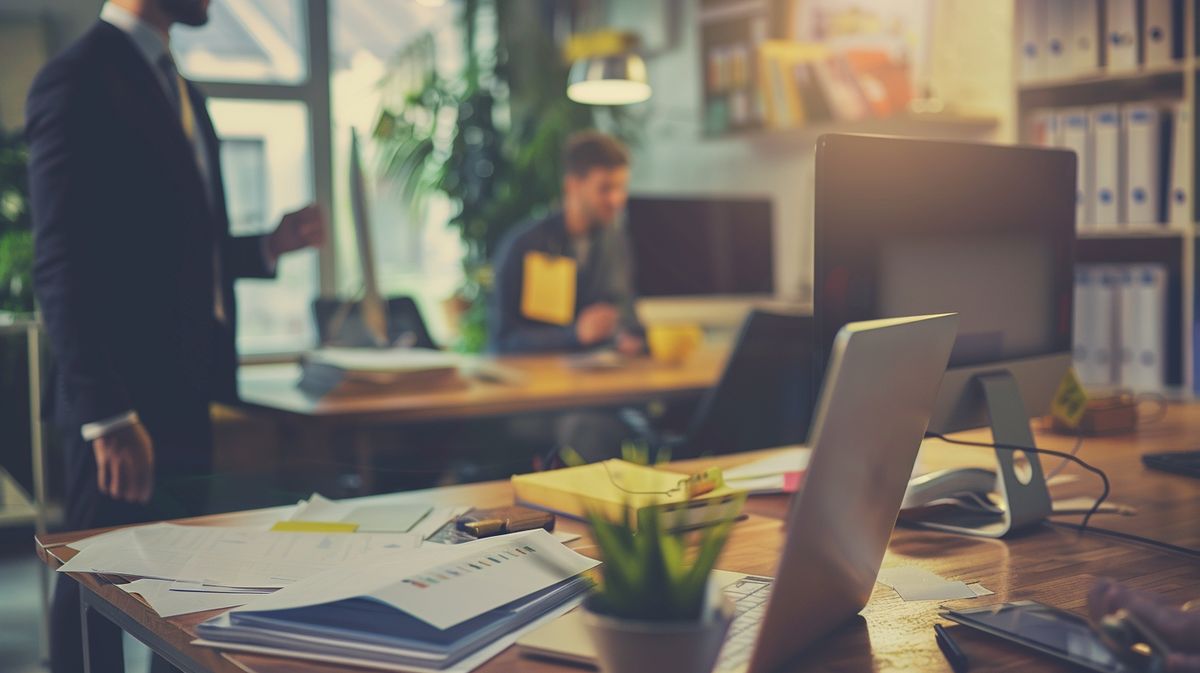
x=487 y=137
x=16 y=236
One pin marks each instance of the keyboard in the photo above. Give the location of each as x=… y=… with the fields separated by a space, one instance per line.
x=1186 y=463
x=749 y=596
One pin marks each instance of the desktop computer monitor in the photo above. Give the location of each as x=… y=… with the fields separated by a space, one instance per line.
x=910 y=227
x=686 y=247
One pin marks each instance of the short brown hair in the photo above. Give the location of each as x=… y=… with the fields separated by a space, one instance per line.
x=586 y=150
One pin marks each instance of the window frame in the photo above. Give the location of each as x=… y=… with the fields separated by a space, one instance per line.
x=314 y=92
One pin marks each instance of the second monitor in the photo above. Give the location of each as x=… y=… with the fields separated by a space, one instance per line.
x=916 y=226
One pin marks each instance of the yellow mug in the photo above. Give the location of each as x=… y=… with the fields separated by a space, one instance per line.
x=672 y=344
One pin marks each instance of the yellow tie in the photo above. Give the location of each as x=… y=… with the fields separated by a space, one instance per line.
x=187 y=118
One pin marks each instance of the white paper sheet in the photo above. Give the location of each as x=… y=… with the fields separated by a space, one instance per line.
x=918 y=584
x=245 y=557
x=792 y=459
x=444 y=585
x=320 y=508
x=168 y=603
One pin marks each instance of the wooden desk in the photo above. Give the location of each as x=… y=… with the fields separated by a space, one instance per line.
x=548 y=384
x=1049 y=564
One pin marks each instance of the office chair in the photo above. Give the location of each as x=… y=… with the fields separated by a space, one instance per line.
x=339 y=323
x=763 y=399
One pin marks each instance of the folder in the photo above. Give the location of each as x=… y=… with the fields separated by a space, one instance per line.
x=1121 y=40
x=1180 y=194
x=1083 y=324
x=1073 y=131
x=1124 y=315
x=1102 y=306
x=1145 y=163
x=1060 y=16
x=1162 y=32
x=1143 y=327
x=1084 y=37
x=1106 y=210
x=1031 y=17
x=1043 y=128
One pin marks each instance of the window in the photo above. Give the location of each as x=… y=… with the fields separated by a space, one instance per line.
x=255 y=59
x=416 y=254
x=252 y=60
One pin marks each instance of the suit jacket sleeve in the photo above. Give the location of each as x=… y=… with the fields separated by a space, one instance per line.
x=66 y=276
x=246 y=257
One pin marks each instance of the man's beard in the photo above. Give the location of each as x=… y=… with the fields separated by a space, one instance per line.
x=187 y=12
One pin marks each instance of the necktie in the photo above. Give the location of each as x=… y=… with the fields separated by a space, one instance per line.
x=182 y=103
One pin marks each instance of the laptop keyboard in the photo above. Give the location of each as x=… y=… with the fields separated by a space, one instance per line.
x=749 y=596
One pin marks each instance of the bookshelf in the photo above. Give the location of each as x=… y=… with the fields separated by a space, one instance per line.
x=1172 y=245
x=759 y=81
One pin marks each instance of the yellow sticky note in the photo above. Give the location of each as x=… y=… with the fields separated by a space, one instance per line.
x=314 y=527
x=548 y=289
x=1070 y=401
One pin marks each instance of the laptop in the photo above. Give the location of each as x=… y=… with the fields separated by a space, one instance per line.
x=871 y=416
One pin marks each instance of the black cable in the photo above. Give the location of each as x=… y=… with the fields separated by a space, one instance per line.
x=1162 y=546
x=1049 y=452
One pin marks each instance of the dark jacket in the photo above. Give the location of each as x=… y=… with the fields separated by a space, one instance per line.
x=606 y=276
x=124 y=238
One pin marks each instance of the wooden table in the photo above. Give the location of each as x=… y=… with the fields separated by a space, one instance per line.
x=1051 y=564
x=546 y=383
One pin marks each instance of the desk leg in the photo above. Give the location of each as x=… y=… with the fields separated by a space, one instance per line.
x=364 y=456
x=94 y=611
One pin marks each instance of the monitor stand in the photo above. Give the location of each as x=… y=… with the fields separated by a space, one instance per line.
x=1022 y=487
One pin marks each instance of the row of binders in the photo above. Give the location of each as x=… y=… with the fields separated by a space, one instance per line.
x=1120 y=326
x=1132 y=161
x=1063 y=39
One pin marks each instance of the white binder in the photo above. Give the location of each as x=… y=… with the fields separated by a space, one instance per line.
x=1158 y=33
x=1031 y=17
x=1084 y=37
x=1146 y=327
x=1083 y=324
x=1124 y=317
x=1073 y=131
x=1145 y=155
x=1106 y=208
x=1179 y=197
x=1103 y=305
x=1060 y=16
x=1121 y=38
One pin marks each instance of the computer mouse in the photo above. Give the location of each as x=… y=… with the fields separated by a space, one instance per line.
x=927 y=488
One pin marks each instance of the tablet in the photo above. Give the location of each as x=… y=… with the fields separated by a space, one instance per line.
x=1058 y=633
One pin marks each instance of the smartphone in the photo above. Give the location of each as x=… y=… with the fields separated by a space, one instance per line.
x=1055 y=632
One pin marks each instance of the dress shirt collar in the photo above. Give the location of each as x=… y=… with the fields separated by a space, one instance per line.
x=149 y=42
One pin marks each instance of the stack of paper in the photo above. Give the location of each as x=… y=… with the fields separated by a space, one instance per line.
x=194 y=568
x=349 y=371
x=434 y=608
x=375 y=515
x=781 y=472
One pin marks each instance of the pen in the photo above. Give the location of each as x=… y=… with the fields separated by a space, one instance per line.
x=954 y=654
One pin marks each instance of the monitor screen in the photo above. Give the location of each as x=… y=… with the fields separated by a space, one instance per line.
x=909 y=227
x=701 y=246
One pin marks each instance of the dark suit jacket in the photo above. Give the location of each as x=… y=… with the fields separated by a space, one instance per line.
x=605 y=277
x=124 y=239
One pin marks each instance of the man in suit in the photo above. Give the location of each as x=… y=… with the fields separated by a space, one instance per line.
x=134 y=273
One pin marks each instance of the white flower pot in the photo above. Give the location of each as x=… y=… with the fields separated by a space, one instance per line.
x=636 y=646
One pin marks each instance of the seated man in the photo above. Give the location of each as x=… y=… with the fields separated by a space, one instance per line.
x=582 y=237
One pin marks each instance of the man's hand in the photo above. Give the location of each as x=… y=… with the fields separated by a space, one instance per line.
x=1179 y=629
x=596 y=323
x=125 y=464
x=630 y=345
x=302 y=229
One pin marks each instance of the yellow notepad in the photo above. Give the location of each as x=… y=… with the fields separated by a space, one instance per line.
x=548 y=288
x=611 y=487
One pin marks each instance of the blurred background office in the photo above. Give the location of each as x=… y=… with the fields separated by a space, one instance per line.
x=460 y=110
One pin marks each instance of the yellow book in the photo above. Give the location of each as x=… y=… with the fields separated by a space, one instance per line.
x=613 y=486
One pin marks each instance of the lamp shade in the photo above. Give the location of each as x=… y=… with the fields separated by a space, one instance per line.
x=617 y=79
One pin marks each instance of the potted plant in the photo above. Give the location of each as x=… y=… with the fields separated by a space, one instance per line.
x=654 y=608
x=16 y=235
